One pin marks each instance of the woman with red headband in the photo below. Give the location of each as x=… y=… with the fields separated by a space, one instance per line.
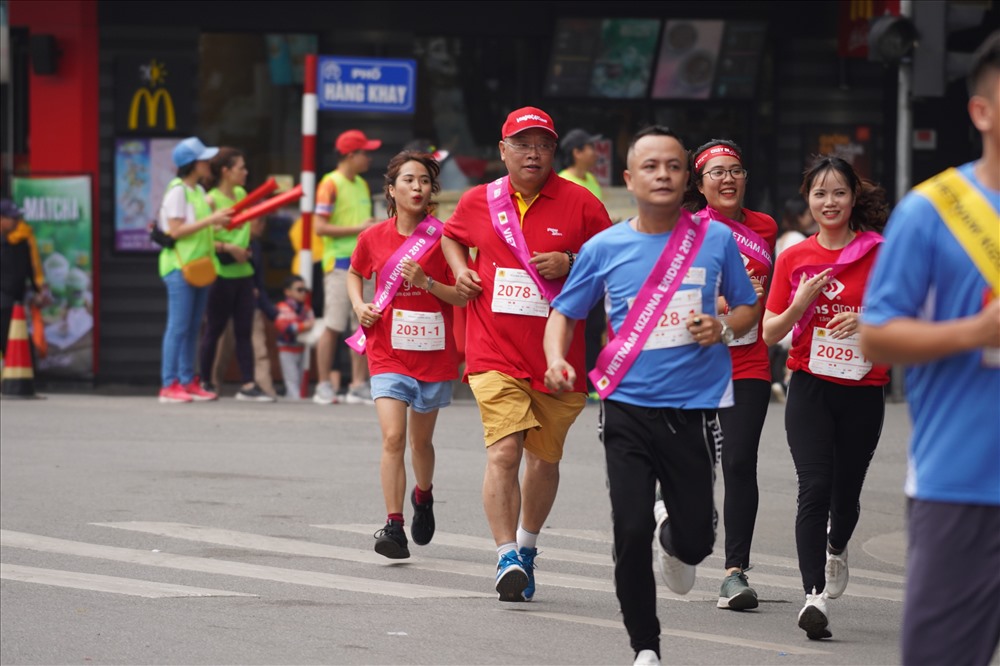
x=717 y=189
x=836 y=397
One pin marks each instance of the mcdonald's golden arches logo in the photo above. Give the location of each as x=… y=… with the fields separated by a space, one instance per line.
x=154 y=74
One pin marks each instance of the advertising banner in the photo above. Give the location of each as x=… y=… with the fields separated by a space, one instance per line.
x=143 y=168
x=59 y=211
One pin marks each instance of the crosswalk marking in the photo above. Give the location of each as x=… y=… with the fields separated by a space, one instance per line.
x=10 y=539
x=786 y=582
x=112 y=584
x=680 y=633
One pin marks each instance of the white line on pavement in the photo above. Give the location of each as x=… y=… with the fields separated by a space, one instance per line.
x=112 y=584
x=9 y=539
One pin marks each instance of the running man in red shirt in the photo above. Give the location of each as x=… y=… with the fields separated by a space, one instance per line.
x=527 y=228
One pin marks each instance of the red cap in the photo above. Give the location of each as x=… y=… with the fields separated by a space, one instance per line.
x=352 y=140
x=527 y=118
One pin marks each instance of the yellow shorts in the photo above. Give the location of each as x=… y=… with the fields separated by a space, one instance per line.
x=509 y=405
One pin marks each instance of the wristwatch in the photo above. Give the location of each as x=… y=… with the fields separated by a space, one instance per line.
x=727 y=336
x=430 y=283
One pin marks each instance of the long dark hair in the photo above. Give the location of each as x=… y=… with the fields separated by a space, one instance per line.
x=870 y=210
x=396 y=165
x=693 y=199
x=224 y=159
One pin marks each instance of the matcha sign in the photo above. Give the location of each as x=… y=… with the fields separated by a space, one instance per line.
x=59 y=212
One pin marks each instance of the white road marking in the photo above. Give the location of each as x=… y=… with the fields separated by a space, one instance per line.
x=9 y=539
x=112 y=584
x=679 y=633
x=792 y=582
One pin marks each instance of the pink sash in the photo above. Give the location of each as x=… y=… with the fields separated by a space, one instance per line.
x=390 y=278
x=660 y=286
x=852 y=252
x=749 y=241
x=502 y=213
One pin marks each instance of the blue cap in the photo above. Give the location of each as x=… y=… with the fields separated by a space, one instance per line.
x=191 y=150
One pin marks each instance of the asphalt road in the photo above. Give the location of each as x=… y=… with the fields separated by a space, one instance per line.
x=241 y=533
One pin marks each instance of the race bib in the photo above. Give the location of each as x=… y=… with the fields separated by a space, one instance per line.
x=837 y=358
x=417 y=331
x=514 y=292
x=671 y=330
x=747 y=339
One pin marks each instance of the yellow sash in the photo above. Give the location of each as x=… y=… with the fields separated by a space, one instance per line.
x=970 y=217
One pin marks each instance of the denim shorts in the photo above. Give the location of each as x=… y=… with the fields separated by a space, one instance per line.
x=423 y=397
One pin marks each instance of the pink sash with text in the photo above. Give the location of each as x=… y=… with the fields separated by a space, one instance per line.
x=507 y=225
x=390 y=278
x=862 y=244
x=751 y=243
x=668 y=273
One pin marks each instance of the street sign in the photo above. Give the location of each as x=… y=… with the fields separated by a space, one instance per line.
x=366 y=84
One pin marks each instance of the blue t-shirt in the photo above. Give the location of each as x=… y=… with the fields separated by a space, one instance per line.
x=616 y=262
x=923 y=273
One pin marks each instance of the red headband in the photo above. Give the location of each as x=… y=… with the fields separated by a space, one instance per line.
x=714 y=151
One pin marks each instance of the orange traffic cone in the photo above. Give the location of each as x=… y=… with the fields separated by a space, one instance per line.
x=18 y=377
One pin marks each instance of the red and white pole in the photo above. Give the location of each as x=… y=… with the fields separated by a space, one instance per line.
x=308 y=178
x=308 y=201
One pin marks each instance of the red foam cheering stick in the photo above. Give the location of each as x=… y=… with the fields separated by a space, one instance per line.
x=269 y=186
x=272 y=204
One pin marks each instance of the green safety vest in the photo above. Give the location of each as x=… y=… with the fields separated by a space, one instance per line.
x=352 y=207
x=198 y=244
x=239 y=236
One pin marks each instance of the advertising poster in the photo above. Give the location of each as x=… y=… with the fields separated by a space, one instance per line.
x=852 y=143
x=689 y=53
x=143 y=168
x=623 y=62
x=59 y=211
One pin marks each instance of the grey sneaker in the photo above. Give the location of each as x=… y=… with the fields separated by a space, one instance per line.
x=324 y=394
x=736 y=593
x=359 y=395
x=837 y=574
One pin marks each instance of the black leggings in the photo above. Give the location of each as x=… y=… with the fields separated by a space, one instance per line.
x=642 y=446
x=229 y=298
x=832 y=431
x=741 y=427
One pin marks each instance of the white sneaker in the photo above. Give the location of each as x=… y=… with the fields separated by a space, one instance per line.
x=324 y=394
x=679 y=576
x=814 y=618
x=837 y=574
x=359 y=395
x=646 y=658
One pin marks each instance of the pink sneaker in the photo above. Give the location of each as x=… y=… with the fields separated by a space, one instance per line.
x=174 y=393
x=197 y=393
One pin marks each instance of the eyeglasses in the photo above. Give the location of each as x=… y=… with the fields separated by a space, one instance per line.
x=524 y=148
x=739 y=173
x=300 y=290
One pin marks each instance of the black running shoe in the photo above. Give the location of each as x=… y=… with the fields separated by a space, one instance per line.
x=390 y=541
x=422 y=528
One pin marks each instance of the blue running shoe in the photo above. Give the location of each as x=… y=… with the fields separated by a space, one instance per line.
x=528 y=562
x=511 y=578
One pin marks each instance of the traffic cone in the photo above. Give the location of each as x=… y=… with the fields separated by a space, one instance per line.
x=18 y=377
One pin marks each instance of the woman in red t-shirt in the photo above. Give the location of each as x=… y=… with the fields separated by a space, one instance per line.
x=836 y=398
x=717 y=189
x=409 y=344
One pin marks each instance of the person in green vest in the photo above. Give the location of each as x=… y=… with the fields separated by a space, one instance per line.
x=343 y=210
x=580 y=157
x=231 y=296
x=186 y=217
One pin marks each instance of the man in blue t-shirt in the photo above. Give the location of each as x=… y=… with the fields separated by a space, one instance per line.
x=934 y=308
x=659 y=424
